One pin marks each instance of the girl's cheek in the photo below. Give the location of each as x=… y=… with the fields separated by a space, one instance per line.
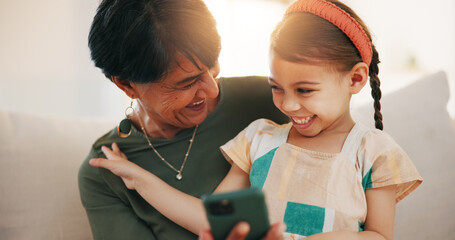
x=276 y=101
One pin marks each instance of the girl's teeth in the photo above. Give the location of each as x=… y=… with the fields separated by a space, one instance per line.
x=303 y=120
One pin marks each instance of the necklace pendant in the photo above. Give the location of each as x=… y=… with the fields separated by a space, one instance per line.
x=179 y=176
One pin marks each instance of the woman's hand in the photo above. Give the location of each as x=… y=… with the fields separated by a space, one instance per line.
x=118 y=164
x=241 y=230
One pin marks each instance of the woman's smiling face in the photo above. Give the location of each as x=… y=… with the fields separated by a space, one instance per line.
x=315 y=97
x=183 y=98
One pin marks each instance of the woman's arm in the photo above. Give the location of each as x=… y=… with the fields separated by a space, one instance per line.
x=108 y=215
x=380 y=217
x=181 y=208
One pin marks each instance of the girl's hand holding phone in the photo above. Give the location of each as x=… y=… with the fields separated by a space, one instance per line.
x=241 y=230
x=239 y=214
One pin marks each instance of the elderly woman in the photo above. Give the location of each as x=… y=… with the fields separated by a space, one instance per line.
x=163 y=54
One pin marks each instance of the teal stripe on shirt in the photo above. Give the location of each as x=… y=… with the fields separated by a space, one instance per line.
x=260 y=169
x=366 y=181
x=304 y=219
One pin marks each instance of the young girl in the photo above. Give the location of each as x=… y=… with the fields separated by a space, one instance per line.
x=324 y=175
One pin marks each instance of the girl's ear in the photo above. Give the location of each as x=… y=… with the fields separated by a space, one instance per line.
x=358 y=77
x=125 y=86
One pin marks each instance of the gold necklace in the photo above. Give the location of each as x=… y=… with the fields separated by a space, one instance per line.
x=178 y=171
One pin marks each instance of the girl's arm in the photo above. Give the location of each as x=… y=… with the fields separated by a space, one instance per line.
x=380 y=217
x=181 y=208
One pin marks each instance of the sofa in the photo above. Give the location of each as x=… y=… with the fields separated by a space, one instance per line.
x=40 y=157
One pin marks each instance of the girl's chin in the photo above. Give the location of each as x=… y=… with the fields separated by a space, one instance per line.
x=307 y=134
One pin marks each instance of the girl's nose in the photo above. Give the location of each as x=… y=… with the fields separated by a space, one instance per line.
x=290 y=104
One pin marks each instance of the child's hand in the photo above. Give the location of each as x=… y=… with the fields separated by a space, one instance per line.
x=241 y=230
x=118 y=164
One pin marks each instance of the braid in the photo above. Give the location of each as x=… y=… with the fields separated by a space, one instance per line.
x=375 y=84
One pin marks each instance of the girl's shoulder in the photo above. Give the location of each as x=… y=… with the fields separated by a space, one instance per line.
x=375 y=140
x=383 y=162
x=366 y=145
x=266 y=126
x=376 y=147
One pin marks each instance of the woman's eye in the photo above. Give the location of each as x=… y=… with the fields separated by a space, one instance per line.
x=303 y=90
x=190 y=85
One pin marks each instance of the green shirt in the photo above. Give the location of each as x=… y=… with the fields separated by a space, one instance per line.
x=115 y=212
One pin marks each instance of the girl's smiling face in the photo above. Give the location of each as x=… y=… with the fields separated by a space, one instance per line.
x=315 y=97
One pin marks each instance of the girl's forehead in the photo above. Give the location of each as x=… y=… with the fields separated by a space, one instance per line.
x=295 y=73
x=282 y=66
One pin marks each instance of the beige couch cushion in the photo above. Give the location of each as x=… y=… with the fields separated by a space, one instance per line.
x=417 y=119
x=39 y=161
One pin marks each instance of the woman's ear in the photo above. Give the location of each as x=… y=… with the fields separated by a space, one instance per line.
x=125 y=86
x=359 y=77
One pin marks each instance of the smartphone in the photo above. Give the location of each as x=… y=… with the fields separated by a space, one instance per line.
x=225 y=210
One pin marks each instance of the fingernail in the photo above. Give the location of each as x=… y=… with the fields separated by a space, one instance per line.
x=204 y=235
x=244 y=228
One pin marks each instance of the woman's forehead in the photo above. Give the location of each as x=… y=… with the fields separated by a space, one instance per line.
x=183 y=69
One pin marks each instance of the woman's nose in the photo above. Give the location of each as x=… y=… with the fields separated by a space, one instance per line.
x=290 y=104
x=209 y=88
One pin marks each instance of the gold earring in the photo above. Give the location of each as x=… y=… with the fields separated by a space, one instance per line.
x=124 y=128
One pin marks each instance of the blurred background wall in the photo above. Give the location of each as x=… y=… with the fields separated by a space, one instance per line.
x=45 y=65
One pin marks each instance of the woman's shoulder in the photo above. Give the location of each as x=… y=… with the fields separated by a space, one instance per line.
x=95 y=151
x=135 y=138
x=245 y=80
x=106 y=139
x=247 y=87
x=90 y=177
x=249 y=97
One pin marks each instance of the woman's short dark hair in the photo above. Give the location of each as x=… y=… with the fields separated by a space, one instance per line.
x=139 y=40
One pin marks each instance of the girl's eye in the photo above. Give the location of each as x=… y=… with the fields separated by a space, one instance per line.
x=303 y=90
x=274 y=88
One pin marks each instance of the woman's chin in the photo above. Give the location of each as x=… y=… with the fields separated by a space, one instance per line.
x=191 y=121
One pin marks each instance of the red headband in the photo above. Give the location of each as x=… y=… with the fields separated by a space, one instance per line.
x=339 y=18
